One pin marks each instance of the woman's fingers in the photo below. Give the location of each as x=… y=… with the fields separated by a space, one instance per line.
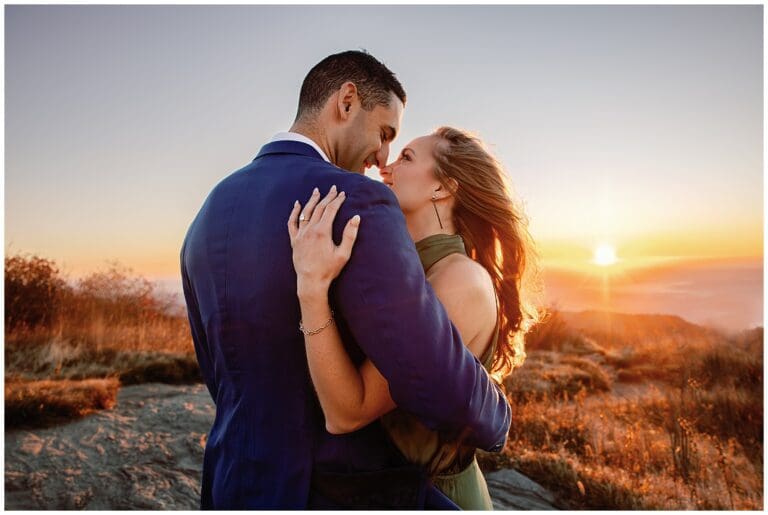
x=306 y=213
x=293 y=227
x=331 y=209
x=317 y=213
x=348 y=238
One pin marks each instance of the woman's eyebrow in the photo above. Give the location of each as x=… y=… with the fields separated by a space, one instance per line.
x=410 y=150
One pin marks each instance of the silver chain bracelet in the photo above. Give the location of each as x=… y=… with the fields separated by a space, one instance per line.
x=315 y=331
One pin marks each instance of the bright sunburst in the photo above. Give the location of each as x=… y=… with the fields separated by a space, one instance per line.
x=605 y=255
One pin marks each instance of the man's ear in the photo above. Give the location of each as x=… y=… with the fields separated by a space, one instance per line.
x=347 y=100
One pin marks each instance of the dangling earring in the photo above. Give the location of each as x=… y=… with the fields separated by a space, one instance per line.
x=434 y=197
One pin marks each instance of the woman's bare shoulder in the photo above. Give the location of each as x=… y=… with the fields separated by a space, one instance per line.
x=466 y=290
x=462 y=272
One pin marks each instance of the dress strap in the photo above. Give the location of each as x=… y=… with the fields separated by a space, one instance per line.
x=434 y=248
x=487 y=357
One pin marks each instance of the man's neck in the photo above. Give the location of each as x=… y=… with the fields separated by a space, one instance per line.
x=316 y=135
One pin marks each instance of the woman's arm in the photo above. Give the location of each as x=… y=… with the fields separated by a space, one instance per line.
x=350 y=398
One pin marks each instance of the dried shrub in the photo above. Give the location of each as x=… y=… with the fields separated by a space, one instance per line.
x=33 y=292
x=47 y=402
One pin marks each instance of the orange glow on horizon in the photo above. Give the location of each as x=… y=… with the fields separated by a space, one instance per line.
x=609 y=255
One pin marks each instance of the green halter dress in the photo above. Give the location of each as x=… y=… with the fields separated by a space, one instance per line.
x=452 y=466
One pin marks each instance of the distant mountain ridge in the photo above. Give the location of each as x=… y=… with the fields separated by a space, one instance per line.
x=611 y=328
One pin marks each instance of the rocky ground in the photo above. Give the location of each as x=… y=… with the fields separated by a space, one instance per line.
x=146 y=453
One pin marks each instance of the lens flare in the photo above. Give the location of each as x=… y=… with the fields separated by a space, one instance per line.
x=605 y=255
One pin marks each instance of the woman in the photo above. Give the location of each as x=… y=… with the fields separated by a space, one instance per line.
x=476 y=254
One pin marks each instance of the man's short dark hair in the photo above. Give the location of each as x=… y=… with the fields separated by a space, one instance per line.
x=375 y=82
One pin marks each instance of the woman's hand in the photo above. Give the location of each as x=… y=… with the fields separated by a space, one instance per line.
x=316 y=257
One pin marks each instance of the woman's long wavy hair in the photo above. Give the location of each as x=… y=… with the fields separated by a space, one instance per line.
x=495 y=233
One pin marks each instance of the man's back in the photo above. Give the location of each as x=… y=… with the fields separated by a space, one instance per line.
x=239 y=280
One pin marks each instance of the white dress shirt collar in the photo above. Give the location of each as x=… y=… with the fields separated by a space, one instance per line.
x=295 y=136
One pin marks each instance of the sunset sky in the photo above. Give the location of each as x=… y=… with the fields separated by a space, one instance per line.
x=636 y=127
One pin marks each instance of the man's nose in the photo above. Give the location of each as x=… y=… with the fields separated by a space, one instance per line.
x=382 y=155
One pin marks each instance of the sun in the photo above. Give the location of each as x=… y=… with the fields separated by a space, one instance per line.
x=605 y=255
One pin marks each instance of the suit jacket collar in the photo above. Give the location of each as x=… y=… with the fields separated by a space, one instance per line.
x=289 y=147
x=297 y=136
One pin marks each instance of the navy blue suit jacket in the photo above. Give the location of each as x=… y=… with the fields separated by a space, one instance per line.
x=240 y=288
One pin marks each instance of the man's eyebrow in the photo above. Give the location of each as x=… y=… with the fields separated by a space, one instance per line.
x=392 y=132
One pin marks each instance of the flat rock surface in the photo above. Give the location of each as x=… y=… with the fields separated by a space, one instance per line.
x=146 y=453
x=510 y=490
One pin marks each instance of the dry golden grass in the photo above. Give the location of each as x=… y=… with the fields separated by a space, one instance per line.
x=684 y=433
x=549 y=374
x=109 y=350
x=625 y=462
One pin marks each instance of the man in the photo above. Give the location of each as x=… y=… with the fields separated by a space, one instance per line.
x=268 y=446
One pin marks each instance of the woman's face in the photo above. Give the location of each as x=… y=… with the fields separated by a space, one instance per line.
x=411 y=177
